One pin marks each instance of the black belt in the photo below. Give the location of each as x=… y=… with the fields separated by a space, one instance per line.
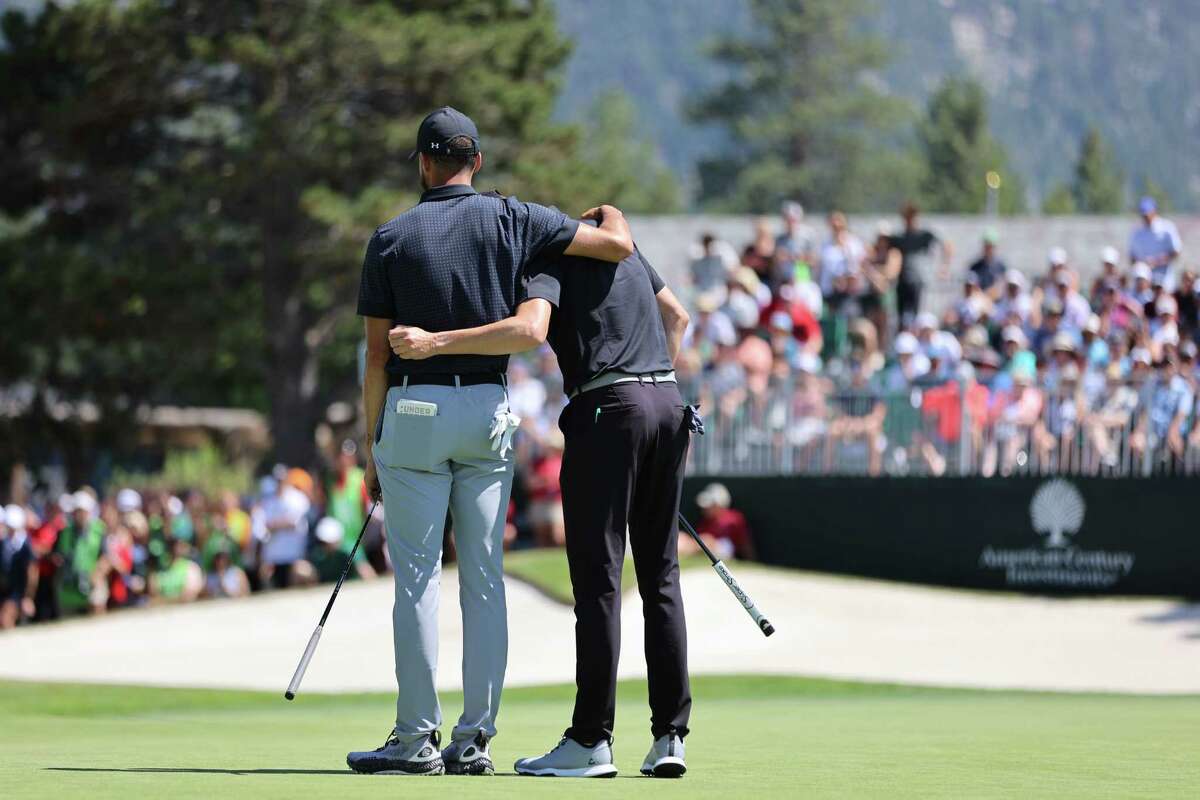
x=438 y=379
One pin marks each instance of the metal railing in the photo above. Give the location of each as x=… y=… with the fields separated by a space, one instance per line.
x=803 y=427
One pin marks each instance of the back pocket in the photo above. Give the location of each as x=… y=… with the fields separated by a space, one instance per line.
x=406 y=440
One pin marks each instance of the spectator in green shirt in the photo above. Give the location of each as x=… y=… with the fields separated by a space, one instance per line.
x=348 y=505
x=347 y=495
x=80 y=546
x=181 y=580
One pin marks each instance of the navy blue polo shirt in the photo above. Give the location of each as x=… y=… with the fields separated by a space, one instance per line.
x=605 y=318
x=454 y=261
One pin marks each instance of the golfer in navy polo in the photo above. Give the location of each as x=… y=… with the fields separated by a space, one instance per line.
x=442 y=428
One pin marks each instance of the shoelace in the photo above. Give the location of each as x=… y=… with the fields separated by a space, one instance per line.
x=392 y=738
x=564 y=740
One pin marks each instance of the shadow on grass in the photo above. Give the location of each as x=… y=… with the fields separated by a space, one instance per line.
x=206 y=771
x=215 y=771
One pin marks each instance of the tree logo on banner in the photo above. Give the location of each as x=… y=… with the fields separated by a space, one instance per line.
x=1057 y=511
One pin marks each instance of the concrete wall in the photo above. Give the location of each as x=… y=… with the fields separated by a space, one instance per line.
x=1024 y=241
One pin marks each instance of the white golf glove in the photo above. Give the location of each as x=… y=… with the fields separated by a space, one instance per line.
x=504 y=425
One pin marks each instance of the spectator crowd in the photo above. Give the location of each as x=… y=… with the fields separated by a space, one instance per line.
x=808 y=351
x=90 y=553
x=818 y=350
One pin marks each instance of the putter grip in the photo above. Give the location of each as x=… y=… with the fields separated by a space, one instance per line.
x=761 y=621
x=303 y=665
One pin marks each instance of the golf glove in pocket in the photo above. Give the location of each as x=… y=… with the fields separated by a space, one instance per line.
x=504 y=426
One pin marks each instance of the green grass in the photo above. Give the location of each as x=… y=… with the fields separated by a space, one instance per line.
x=546 y=570
x=764 y=738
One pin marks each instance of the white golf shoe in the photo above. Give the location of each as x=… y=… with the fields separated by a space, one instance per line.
x=420 y=757
x=665 y=759
x=468 y=757
x=570 y=759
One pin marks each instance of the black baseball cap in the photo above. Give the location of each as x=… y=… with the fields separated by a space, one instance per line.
x=439 y=128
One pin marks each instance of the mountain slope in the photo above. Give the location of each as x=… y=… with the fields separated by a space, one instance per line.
x=1051 y=69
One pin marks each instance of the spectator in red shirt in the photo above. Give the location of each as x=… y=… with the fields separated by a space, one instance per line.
x=942 y=409
x=805 y=326
x=49 y=562
x=545 y=494
x=118 y=552
x=722 y=528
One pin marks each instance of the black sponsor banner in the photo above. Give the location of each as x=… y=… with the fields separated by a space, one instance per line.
x=1053 y=535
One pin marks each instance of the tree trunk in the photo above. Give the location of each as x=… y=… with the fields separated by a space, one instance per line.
x=293 y=413
x=291 y=363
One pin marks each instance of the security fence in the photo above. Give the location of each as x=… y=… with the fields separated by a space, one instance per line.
x=801 y=426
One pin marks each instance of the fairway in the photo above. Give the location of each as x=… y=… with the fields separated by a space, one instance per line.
x=752 y=737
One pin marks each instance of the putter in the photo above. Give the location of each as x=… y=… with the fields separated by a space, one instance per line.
x=761 y=621
x=298 y=676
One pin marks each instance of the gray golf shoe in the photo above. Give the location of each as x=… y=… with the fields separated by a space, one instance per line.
x=420 y=757
x=665 y=759
x=468 y=757
x=570 y=759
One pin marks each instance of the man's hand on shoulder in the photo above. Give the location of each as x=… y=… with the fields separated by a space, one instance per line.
x=412 y=343
x=599 y=213
x=611 y=240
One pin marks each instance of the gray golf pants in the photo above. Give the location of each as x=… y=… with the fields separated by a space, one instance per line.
x=426 y=464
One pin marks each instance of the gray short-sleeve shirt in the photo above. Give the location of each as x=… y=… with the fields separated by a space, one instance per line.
x=605 y=318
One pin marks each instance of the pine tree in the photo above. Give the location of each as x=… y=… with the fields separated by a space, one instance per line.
x=196 y=180
x=1098 y=187
x=1060 y=201
x=803 y=120
x=621 y=165
x=625 y=162
x=958 y=150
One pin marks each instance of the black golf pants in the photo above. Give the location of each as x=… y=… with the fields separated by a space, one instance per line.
x=623 y=466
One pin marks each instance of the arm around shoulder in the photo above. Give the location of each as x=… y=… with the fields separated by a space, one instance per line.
x=523 y=331
x=611 y=240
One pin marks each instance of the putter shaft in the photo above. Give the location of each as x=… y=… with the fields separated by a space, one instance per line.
x=759 y=618
x=313 y=640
